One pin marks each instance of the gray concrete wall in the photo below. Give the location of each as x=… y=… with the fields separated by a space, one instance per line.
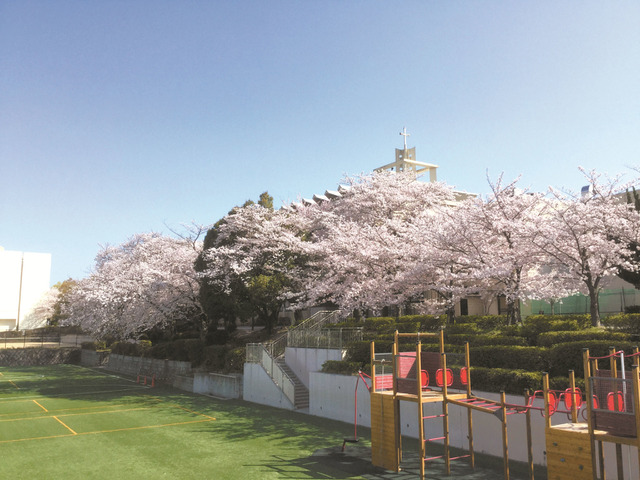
x=218 y=385
x=20 y=357
x=258 y=387
x=305 y=360
x=162 y=369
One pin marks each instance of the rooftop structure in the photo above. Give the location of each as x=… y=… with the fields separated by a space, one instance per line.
x=406 y=160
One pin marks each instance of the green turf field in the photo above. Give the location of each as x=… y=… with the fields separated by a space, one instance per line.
x=70 y=422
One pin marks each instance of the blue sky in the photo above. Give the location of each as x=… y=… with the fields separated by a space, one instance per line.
x=119 y=117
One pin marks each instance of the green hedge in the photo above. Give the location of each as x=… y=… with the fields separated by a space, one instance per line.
x=340 y=367
x=482 y=339
x=627 y=323
x=551 y=339
x=183 y=350
x=538 y=324
x=532 y=359
x=568 y=356
x=483 y=322
x=501 y=379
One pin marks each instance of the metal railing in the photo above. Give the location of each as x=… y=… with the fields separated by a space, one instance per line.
x=257 y=353
x=336 y=338
x=307 y=334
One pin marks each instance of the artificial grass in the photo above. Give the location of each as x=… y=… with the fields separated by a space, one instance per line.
x=71 y=422
x=126 y=431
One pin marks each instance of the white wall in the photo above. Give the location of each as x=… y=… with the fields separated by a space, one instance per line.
x=306 y=360
x=258 y=387
x=36 y=273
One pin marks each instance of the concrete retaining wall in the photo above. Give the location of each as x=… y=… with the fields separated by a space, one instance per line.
x=218 y=385
x=259 y=388
x=162 y=369
x=305 y=360
x=22 y=357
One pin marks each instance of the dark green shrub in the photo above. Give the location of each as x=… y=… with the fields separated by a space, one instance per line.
x=140 y=349
x=89 y=346
x=234 y=360
x=217 y=337
x=214 y=357
x=380 y=325
x=482 y=339
x=632 y=309
x=537 y=324
x=624 y=322
x=340 y=367
x=428 y=323
x=568 y=356
x=532 y=359
x=562 y=383
x=550 y=339
x=500 y=379
x=511 y=331
x=407 y=326
x=462 y=328
x=183 y=350
x=484 y=322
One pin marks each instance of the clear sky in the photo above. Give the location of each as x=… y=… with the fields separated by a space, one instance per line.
x=120 y=117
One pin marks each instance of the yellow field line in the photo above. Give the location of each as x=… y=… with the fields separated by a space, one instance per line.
x=72 y=414
x=191 y=411
x=60 y=409
x=40 y=406
x=11 y=382
x=105 y=431
x=65 y=425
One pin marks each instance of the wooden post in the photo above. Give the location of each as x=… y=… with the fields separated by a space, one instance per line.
x=572 y=385
x=396 y=402
x=373 y=366
x=505 y=441
x=467 y=362
x=527 y=396
x=545 y=394
x=613 y=361
x=590 y=421
x=636 y=403
x=421 y=435
x=445 y=413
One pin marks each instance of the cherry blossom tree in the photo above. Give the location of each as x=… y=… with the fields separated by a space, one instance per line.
x=255 y=257
x=147 y=282
x=365 y=245
x=585 y=237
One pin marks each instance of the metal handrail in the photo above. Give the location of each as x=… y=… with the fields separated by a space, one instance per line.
x=257 y=353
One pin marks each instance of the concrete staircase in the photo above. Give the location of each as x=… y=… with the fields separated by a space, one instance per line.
x=301 y=393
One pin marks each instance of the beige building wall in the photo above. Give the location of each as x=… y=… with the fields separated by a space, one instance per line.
x=24 y=279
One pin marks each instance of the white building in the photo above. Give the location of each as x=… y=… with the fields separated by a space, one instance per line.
x=24 y=278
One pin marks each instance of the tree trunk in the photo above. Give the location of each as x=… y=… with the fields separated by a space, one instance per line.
x=513 y=312
x=594 y=307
